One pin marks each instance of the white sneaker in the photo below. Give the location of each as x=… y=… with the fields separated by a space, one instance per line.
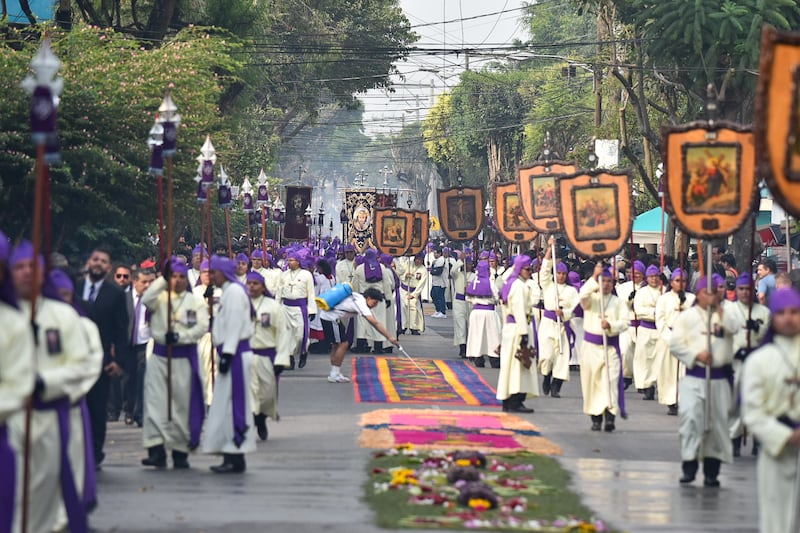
x=339 y=378
x=437 y=314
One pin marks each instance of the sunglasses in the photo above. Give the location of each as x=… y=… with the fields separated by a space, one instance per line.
x=122 y=276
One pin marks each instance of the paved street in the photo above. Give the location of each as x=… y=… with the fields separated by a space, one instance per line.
x=309 y=475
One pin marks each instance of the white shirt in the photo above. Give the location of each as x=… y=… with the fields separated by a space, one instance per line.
x=87 y=289
x=353 y=305
x=142 y=328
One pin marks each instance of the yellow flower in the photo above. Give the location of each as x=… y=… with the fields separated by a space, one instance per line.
x=463 y=462
x=479 y=504
x=404 y=476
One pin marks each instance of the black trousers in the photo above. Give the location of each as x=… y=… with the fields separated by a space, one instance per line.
x=97 y=402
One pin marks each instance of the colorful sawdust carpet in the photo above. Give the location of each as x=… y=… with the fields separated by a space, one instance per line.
x=435 y=429
x=398 y=380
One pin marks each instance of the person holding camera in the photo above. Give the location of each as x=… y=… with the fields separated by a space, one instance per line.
x=227 y=431
x=177 y=323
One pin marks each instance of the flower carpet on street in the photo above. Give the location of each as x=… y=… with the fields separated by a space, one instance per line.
x=399 y=380
x=434 y=429
x=466 y=489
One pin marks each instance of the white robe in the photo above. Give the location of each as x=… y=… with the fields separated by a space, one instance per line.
x=513 y=377
x=554 y=350
x=645 y=356
x=460 y=311
x=766 y=396
x=364 y=329
x=416 y=279
x=689 y=338
x=297 y=285
x=231 y=326
x=760 y=314
x=263 y=384
x=670 y=369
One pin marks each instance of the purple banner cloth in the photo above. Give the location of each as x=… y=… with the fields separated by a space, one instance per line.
x=302 y=303
x=89 y=476
x=614 y=342
x=197 y=408
x=8 y=466
x=238 y=392
x=483 y=307
x=76 y=514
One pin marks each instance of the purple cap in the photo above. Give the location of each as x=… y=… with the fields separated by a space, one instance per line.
x=430 y=246
x=784 y=298
x=561 y=267
x=204 y=265
x=257 y=254
x=420 y=256
x=200 y=248
x=520 y=262
x=446 y=250
x=387 y=259
x=702 y=284
x=652 y=270
x=492 y=256
x=180 y=267
x=677 y=273
x=717 y=279
x=255 y=276
x=349 y=248
x=294 y=254
x=224 y=265
x=744 y=280
x=607 y=273
x=22 y=252
x=60 y=280
x=242 y=258
x=574 y=279
x=638 y=266
x=483 y=255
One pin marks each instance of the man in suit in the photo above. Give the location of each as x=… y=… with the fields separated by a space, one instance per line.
x=139 y=335
x=104 y=303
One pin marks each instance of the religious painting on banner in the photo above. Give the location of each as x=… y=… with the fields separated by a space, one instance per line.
x=777 y=125
x=359 y=204
x=536 y=185
x=596 y=211
x=297 y=200
x=393 y=229
x=419 y=232
x=386 y=199
x=710 y=176
x=461 y=210
x=509 y=216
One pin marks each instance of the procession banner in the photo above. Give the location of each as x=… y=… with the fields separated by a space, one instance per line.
x=509 y=216
x=461 y=211
x=419 y=231
x=297 y=200
x=596 y=211
x=710 y=176
x=393 y=230
x=359 y=204
x=536 y=185
x=777 y=125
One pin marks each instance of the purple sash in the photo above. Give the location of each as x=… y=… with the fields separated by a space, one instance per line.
x=265 y=352
x=238 y=391
x=567 y=327
x=614 y=342
x=511 y=320
x=483 y=307
x=197 y=408
x=648 y=324
x=700 y=372
x=578 y=311
x=76 y=514
x=461 y=297
x=406 y=287
x=89 y=476
x=302 y=303
x=8 y=466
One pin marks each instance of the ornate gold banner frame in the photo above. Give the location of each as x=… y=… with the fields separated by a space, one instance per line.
x=461 y=212
x=510 y=219
x=596 y=211
x=420 y=227
x=393 y=229
x=536 y=185
x=710 y=176
x=777 y=125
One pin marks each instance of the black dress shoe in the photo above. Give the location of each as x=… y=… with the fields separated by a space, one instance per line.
x=303 y=359
x=519 y=409
x=494 y=362
x=388 y=350
x=597 y=422
x=479 y=362
x=180 y=460
x=156 y=457
x=291 y=363
x=672 y=410
x=711 y=482
x=609 y=427
x=415 y=332
x=261 y=426
x=227 y=468
x=686 y=479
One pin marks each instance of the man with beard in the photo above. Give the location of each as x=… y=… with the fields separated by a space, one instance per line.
x=105 y=305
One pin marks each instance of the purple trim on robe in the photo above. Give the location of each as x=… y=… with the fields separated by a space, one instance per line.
x=462 y=297
x=302 y=303
x=8 y=466
x=614 y=342
x=197 y=408
x=89 y=476
x=238 y=400
x=483 y=307
x=76 y=514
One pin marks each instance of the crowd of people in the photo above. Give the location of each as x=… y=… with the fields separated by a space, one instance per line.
x=192 y=350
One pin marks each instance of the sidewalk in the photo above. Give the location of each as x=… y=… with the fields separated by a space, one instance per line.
x=309 y=475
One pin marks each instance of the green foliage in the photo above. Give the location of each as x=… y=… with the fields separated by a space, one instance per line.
x=113 y=87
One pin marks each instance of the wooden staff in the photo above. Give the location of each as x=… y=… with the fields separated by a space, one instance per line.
x=750 y=304
x=264 y=232
x=555 y=286
x=709 y=291
x=168 y=246
x=228 y=231
x=210 y=237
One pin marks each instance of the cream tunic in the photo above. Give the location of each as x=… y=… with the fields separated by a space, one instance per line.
x=760 y=314
x=297 y=285
x=552 y=334
x=670 y=369
x=416 y=279
x=205 y=346
x=460 y=307
x=689 y=338
x=600 y=382
x=645 y=356
x=514 y=377
x=766 y=396
x=268 y=323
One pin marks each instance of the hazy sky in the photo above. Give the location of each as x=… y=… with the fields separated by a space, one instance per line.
x=483 y=26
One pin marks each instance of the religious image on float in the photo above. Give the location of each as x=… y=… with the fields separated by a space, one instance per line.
x=513 y=215
x=394 y=230
x=597 y=214
x=545 y=201
x=711 y=177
